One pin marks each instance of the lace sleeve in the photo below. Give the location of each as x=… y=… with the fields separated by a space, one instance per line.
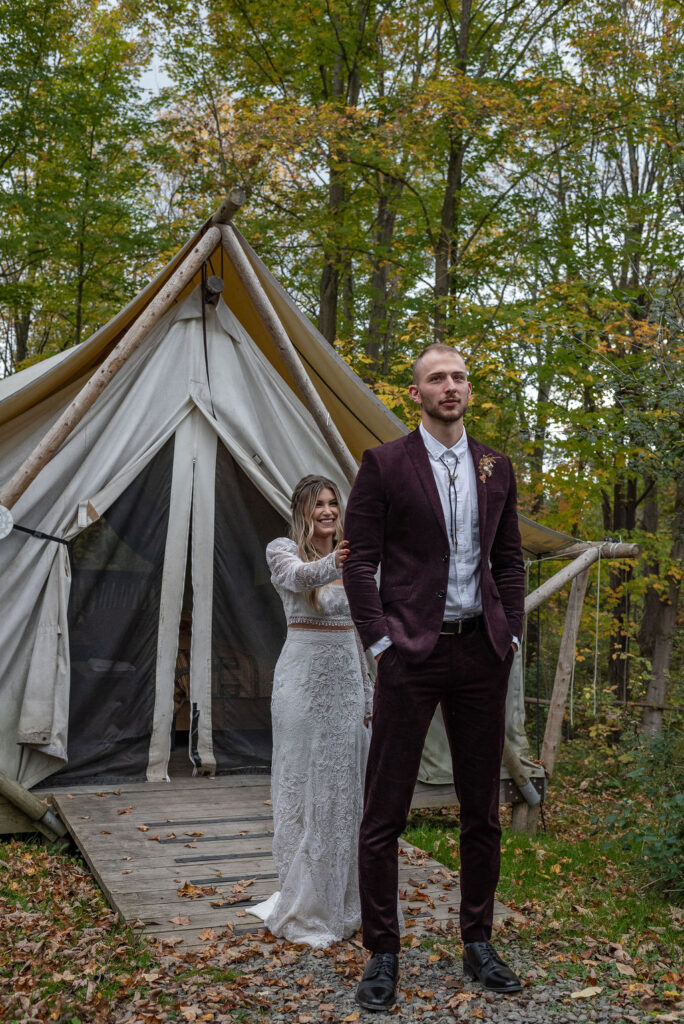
x=367 y=682
x=291 y=573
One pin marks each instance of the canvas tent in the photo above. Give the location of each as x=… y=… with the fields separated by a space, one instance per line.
x=162 y=500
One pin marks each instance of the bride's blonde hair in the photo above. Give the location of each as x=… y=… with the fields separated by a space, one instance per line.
x=303 y=503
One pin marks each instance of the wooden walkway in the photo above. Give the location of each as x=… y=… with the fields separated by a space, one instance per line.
x=184 y=860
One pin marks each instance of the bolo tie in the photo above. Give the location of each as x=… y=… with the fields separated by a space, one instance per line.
x=452 y=497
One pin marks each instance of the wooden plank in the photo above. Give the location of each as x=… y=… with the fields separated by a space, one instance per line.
x=141 y=877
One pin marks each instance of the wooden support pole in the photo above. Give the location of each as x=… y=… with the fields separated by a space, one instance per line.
x=524 y=818
x=566 y=658
x=134 y=336
x=308 y=393
x=587 y=557
x=229 y=207
x=43 y=817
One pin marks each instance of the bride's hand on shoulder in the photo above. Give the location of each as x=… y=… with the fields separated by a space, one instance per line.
x=341 y=553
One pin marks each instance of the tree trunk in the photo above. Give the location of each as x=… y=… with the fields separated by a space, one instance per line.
x=651 y=611
x=620 y=519
x=379 y=321
x=652 y=720
x=337 y=263
x=448 y=233
x=22 y=324
x=447 y=244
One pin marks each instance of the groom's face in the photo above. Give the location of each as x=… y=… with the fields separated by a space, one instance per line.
x=442 y=389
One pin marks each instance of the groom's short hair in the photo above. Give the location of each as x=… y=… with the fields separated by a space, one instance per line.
x=436 y=346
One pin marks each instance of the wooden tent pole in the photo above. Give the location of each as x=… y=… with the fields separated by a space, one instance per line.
x=607 y=549
x=131 y=340
x=308 y=393
x=566 y=658
x=42 y=817
x=230 y=206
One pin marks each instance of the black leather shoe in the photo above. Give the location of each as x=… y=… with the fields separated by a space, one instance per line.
x=378 y=987
x=481 y=962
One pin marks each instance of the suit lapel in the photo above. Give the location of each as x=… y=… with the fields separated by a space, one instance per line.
x=477 y=451
x=423 y=470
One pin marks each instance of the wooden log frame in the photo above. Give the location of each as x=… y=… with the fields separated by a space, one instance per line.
x=524 y=817
x=589 y=554
x=566 y=659
x=306 y=390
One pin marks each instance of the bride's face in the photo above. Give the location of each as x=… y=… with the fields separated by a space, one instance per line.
x=325 y=515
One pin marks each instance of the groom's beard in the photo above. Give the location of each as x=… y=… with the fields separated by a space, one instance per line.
x=432 y=408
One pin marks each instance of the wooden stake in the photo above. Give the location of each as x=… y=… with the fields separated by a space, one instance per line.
x=134 y=336
x=308 y=393
x=566 y=658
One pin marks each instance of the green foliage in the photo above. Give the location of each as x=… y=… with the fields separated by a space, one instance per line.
x=649 y=817
x=74 y=183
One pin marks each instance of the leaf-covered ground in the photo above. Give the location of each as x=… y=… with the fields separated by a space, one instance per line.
x=599 y=942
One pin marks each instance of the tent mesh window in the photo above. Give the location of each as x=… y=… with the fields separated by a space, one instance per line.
x=249 y=628
x=113 y=616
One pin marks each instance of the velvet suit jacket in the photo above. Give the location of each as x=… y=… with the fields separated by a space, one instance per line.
x=394 y=519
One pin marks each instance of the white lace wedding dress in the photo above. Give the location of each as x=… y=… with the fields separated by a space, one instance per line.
x=321 y=693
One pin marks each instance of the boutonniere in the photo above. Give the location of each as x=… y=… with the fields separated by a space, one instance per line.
x=486 y=466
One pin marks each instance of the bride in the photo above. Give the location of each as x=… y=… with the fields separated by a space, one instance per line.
x=321 y=707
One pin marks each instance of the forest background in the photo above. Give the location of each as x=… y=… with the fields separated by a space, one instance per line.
x=503 y=175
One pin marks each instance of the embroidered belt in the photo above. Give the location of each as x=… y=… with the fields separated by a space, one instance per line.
x=315 y=625
x=458 y=626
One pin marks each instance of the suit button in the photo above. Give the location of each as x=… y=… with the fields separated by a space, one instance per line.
x=445 y=558
x=441 y=593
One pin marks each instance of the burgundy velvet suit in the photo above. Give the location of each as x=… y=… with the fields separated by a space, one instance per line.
x=394 y=519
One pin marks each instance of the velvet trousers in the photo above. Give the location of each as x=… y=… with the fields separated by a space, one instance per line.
x=469 y=680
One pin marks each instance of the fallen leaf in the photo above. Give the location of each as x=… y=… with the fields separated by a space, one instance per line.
x=626 y=969
x=180 y=920
x=587 y=993
x=189 y=891
x=143 y=828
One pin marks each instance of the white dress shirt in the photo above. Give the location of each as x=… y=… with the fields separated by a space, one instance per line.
x=463 y=589
x=464 y=598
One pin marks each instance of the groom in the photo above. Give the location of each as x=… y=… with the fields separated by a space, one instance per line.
x=436 y=510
